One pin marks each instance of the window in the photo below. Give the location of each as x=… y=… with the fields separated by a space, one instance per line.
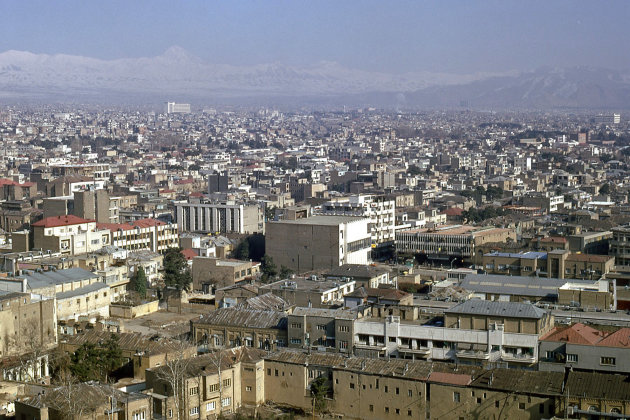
x=386 y=388
x=550 y=354
x=211 y=406
x=321 y=327
x=397 y=391
x=610 y=361
x=456 y=397
x=170 y=413
x=343 y=344
x=409 y=413
x=351 y=385
x=387 y=409
x=409 y=393
x=248 y=388
x=497 y=404
x=296 y=325
x=478 y=400
x=227 y=382
x=572 y=358
x=226 y=401
x=398 y=411
x=296 y=341
x=194 y=411
x=268 y=371
x=139 y=415
x=213 y=388
x=371 y=408
x=193 y=391
x=521 y=406
x=344 y=328
x=275 y=372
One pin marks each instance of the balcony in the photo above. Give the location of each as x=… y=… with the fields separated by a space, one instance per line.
x=473 y=354
x=367 y=346
x=423 y=351
x=518 y=358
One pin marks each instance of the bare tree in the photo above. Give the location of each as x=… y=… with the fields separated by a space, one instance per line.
x=174 y=373
x=29 y=341
x=66 y=400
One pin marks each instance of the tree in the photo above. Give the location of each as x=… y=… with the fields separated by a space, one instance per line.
x=176 y=271
x=242 y=250
x=319 y=389
x=174 y=373
x=285 y=272
x=90 y=362
x=268 y=268
x=139 y=282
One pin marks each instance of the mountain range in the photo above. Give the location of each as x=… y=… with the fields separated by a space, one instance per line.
x=178 y=75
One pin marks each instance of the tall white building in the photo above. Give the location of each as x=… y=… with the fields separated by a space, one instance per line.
x=175 y=108
x=223 y=217
x=380 y=211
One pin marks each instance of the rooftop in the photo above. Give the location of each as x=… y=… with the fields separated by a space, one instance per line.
x=321 y=220
x=494 y=308
x=56 y=221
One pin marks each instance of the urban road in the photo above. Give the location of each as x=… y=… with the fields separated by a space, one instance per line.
x=619 y=318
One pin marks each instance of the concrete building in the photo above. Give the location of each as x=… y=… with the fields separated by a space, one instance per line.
x=142 y=235
x=319 y=242
x=380 y=210
x=322 y=329
x=582 y=347
x=310 y=291
x=370 y=276
x=451 y=243
x=175 y=108
x=220 y=217
x=620 y=245
x=473 y=332
x=69 y=235
x=210 y=273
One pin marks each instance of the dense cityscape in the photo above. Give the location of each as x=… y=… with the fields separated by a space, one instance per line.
x=199 y=263
x=323 y=210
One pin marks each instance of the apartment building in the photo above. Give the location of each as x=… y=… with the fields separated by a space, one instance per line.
x=220 y=217
x=474 y=332
x=620 y=245
x=310 y=291
x=69 y=235
x=319 y=242
x=381 y=212
x=142 y=235
x=583 y=347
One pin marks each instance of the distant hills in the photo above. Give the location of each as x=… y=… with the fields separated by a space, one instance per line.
x=179 y=75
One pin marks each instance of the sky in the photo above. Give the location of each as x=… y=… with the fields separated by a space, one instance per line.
x=387 y=36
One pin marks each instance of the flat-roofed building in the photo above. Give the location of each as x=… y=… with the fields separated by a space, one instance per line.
x=210 y=273
x=451 y=243
x=319 y=242
x=310 y=291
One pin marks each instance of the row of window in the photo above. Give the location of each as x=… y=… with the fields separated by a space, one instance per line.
x=211 y=406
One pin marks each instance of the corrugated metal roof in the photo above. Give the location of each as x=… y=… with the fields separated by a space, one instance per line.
x=326 y=313
x=504 y=309
x=241 y=317
x=512 y=285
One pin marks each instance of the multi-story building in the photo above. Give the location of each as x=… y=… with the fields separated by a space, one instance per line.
x=142 y=235
x=175 y=108
x=319 y=242
x=220 y=217
x=451 y=243
x=69 y=235
x=620 y=245
x=473 y=332
x=310 y=291
x=380 y=210
x=583 y=347
x=210 y=273
x=322 y=329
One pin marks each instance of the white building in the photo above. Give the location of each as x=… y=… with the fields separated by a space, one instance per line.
x=222 y=217
x=175 y=108
x=380 y=211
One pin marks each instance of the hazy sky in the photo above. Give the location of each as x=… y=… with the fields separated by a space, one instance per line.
x=392 y=36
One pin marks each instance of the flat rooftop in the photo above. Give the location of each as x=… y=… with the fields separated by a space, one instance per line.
x=321 y=220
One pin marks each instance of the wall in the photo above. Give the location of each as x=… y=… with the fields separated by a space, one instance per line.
x=129 y=312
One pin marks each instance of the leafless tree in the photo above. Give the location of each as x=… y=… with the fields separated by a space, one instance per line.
x=174 y=373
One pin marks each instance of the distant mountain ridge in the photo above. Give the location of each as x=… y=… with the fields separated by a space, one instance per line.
x=179 y=75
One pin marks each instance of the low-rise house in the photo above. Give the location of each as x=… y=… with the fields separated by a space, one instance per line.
x=322 y=329
x=211 y=273
x=363 y=275
x=233 y=327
